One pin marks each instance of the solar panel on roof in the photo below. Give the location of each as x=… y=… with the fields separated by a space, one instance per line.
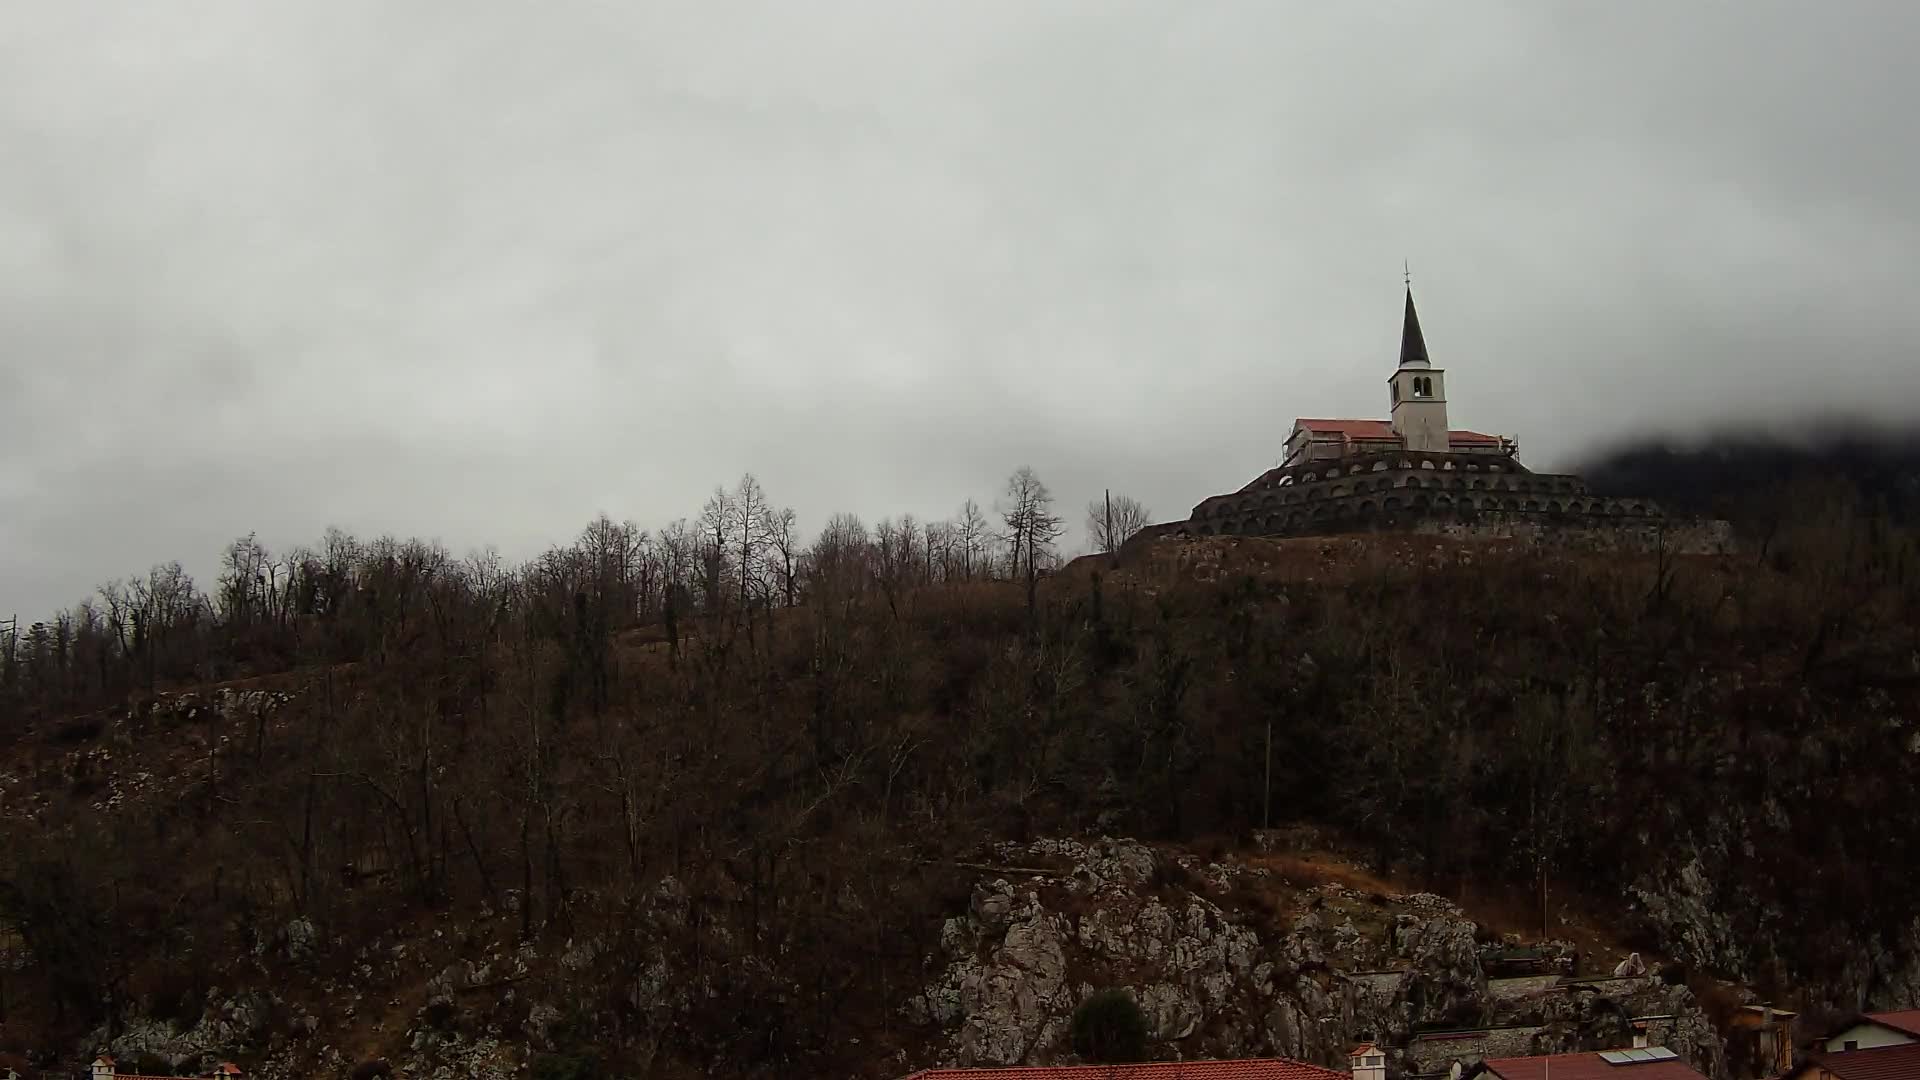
x=1637 y=1055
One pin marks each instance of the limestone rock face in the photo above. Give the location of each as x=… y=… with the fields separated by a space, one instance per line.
x=1014 y=966
x=540 y=1021
x=1446 y=986
x=1899 y=972
x=1226 y=958
x=1217 y=978
x=1883 y=974
x=1696 y=924
x=1704 y=905
x=1006 y=984
x=225 y=1024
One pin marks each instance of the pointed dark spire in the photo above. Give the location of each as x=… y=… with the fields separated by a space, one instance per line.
x=1413 y=346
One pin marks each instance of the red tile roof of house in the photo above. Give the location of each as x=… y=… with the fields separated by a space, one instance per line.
x=1382 y=430
x=1250 y=1069
x=1907 y=1020
x=225 y=1068
x=1587 y=1066
x=1880 y=1063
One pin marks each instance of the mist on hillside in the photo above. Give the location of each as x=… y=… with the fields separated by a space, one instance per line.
x=1732 y=472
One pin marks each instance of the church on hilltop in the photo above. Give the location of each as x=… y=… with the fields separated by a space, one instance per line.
x=1418 y=416
x=1413 y=471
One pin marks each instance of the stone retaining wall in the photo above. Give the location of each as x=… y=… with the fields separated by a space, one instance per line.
x=1680 y=536
x=1434 y=1052
x=1446 y=494
x=1522 y=986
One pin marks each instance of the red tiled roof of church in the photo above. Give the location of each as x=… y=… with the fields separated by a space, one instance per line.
x=1352 y=429
x=1250 y=1069
x=1382 y=429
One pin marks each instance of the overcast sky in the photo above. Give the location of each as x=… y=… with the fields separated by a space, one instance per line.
x=480 y=270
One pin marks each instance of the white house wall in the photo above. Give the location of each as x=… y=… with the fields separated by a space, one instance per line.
x=1868 y=1036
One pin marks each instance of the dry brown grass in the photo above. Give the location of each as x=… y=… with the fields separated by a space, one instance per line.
x=1307 y=870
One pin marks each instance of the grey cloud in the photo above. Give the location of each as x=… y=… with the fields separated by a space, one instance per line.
x=479 y=270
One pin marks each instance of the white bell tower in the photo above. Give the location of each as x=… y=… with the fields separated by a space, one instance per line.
x=1419 y=390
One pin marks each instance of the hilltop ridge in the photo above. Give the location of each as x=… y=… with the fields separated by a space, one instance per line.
x=567 y=819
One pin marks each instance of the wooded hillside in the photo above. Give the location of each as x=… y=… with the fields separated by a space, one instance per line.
x=806 y=737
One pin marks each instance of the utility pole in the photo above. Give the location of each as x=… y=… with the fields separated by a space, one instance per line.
x=1266 y=796
x=1112 y=548
x=1546 y=917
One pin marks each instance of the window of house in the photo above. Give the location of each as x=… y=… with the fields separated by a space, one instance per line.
x=1852 y=1044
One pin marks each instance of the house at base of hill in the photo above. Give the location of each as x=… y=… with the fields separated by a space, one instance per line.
x=1457 y=1053
x=1869 y=1031
x=1871 y=1046
x=1761 y=1042
x=105 y=1068
x=1639 y=1063
x=1368 y=1063
x=1898 y=1062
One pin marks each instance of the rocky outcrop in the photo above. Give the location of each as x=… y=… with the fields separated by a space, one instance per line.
x=1220 y=969
x=1695 y=921
x=1445 y=985
x=1016 y=964
x=1225 y=958
x=224 y=1024
x=1707 y=914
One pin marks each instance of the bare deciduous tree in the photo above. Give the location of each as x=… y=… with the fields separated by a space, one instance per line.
x=1031 y=526
x=937 y=548
x=715 y=535
x=1112 y=521
x=747 y=531
x=973 y=533
x=895 y=559
x=839 y=561
x=783 y=548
